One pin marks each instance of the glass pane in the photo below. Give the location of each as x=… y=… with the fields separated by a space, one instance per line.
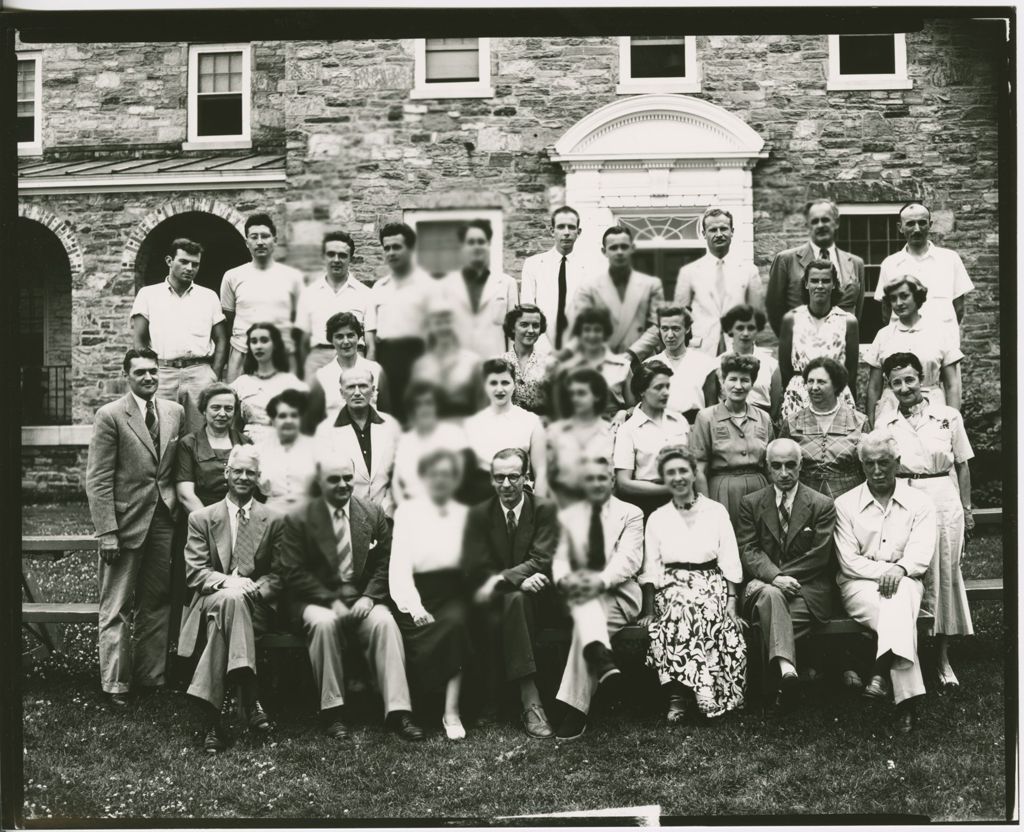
x=448 y=66
x=26 y=108
x=26 y=128
x=236 y=62
x=26 y=80
x=438 y=246
x=663 y=58
x=219 y=115
x=222 y=63
x=206 y=64
x=235 y=82
x=867 y=54
x=446 y=44
x=206 y=82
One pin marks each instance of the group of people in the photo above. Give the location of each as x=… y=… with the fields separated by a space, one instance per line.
x=466 y=456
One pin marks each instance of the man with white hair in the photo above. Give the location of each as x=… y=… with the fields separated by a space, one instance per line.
x=885 y=541
x=228 y=562
x=785 y=534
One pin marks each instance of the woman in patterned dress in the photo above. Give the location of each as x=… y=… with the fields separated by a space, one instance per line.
x=819 y=327
x=265 y=373
x=690 y=579
x=534 y=365
x=827 y=431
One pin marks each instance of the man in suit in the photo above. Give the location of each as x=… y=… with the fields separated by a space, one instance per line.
x=334 y=558
x=507 y=550
x=631 y=297
x=129 y=481
x=551 y=279
x=599 y=554
x=785 y=535
x=228 y=564
x=785 y=278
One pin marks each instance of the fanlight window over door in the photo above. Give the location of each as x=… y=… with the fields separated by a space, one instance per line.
x=664 y=230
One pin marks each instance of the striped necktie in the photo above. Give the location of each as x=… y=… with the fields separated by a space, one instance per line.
x=784 y=516
x=151 y=423
x=344 y=548
x=243 y=555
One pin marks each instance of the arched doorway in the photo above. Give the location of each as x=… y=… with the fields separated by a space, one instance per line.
x=224 y=248
x=43 y=273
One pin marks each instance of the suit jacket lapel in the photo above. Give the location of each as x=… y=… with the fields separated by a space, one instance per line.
x=221 y=524
x=322 y=529
x=499 y=533
x=807 y=254
x=631 y=302
x=359 y=529
x=163 y=412
x=258 y=515
x=606 y=288
x=770 y=512
x=137 y=422
x=798 y=514
x=524 y=531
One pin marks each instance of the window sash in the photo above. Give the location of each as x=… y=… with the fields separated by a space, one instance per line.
x=851 y=61
x=654 y=56
x=451 y=60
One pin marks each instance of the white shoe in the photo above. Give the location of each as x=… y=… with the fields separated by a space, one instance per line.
x=453 y=730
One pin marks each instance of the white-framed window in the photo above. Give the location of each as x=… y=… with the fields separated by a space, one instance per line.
x=29 y=127
x=219 y=95
x=437 y=236
x=452 y=68
x=868 y=62
x=658 y=63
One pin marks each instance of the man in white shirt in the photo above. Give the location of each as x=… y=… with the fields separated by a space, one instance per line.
x=551 y=279
x=184 y=325
x=940 y=270
x=336 y=291
x=885 y=542
x=263 y=291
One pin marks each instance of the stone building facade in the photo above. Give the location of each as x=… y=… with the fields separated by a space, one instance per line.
x=353 y=134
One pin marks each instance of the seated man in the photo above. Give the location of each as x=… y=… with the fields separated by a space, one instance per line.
x=334 y=558
x=507 y=550
x=599 y=554
x=228 y=561
x=785 y=541
x=885 y=540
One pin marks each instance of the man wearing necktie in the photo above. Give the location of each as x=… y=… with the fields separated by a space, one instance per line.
x=550 y=279
x=785 y=537
x=228 y=563
x=595 y=566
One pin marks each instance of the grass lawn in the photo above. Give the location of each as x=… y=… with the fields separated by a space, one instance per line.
x=838 y=755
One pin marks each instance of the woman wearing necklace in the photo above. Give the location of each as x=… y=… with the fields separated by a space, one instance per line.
x=730 y=439
x=690 y=580
x=446 y=364
x=583 y=435
x=741 y=326
x=535 y=366
x=934 y=451
x=827 y=431
x=265 y=373
x=819 y=327
x=591 y=331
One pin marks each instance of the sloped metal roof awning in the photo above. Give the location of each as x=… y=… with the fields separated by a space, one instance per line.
x=168 y=173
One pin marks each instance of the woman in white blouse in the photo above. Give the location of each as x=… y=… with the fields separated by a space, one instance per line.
x=690 y=580
x=427 y=587
x=287 y=460
x=265 y=373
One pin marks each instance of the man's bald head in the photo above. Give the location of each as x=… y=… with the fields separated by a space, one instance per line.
x=784 y=457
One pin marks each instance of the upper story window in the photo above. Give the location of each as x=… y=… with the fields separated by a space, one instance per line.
x=658 y=63
x=868 y=62
x=30 y=108
x=219 y=84
x=453 y=68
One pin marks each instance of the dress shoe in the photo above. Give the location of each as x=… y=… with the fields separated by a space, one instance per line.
x=789 y=690
x=256 y=717
x=535 y=721
x=118 y=700
x=599 y=659
x=678 y=708
x=213 y=742
x=877 y=688
x=904 y=721
x=573 y=726
x=334 y=725
x=402 y=724
x=852 y=680
x=453 y=728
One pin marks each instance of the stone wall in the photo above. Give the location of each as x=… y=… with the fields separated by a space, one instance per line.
x=52 y=474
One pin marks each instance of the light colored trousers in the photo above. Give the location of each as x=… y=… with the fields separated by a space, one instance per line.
x=595 y=620
x=381 y=640
x=184 y=386
x=135 y=597
x=895 y=621
x=782 y=620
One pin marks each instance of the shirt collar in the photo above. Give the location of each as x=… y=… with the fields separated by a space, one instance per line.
x=815 y=248
x=781 y=495
x=558 y=255
x=929 y=249
x=722 y=414
x=642 y=417
x=170 y=288
x=517 y=510
x=142 y=404
x=234 y=508
x=324 y=283
x=345 y=417
x=898 y=495
x=331 y=509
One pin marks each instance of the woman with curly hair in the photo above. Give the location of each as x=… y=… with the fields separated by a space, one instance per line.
x=265 y=374
x=535 y=365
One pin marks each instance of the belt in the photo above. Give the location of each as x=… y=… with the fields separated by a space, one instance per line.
x=707 y=566
x=179 y=363
x=923 y=476
x=739 y=469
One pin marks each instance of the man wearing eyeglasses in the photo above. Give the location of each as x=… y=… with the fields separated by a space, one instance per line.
x=507 y=550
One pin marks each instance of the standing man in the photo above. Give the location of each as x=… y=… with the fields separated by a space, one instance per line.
x=631 y=297
x=599 y=555
x=551 y=279
x=228 y=564
x=337 y=291
x=184 y=325
x=940 y=270
x=129 y=481
x=481 y=300
x=261 y=291
x=398 y=303
x=785 y=278
x=785 y=536
x=885 y=542
x=334 y=557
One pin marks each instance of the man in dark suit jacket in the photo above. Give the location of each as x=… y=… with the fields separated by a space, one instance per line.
x=509 y=542
x=785 y=541
x=129 y=482
x=785 y=278
x=228 y=561
x=334 y=558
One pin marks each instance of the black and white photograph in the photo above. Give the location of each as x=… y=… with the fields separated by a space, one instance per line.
x=509 y=415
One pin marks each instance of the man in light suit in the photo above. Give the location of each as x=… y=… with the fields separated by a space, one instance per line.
x=631 y=297
x=228 y=564
x=785 y=278
x=551 y=279
x=481 y=300
x=129 y=481
x=599 y=554
x=785 y=535
x=334 y=558
x=365 y=436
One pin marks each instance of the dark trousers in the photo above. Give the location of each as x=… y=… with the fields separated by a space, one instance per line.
x=396 y=356
x=782 y=620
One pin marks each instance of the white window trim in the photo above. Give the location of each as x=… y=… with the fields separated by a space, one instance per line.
x=413 y=216
x=697 y=244
x=628 y=85
x=234 y=142
x=896 y=81
x=455 y=89
x=864 y=209
x=34 y=147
